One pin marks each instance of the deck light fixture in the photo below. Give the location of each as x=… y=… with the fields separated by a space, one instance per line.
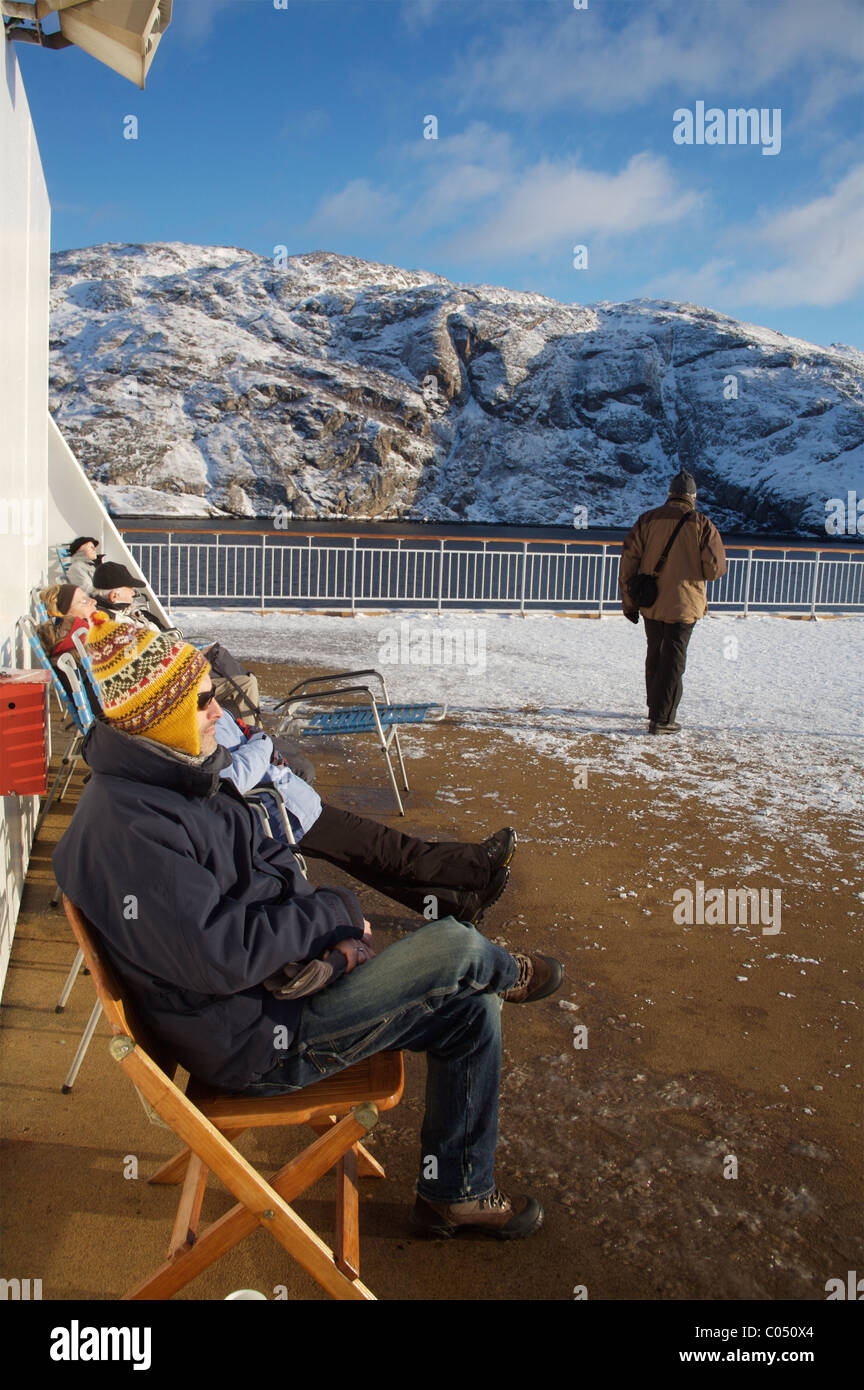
x=122 y=34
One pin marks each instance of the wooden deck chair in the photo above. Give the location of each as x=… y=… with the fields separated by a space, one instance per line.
x=373 y=716
x=341 y=1110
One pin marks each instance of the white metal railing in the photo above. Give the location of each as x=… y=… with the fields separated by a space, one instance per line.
x=268 y=572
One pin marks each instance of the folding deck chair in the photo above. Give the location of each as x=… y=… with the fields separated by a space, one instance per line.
x=85 y=661
x=75 y=706
x=257 y=800
x=208 y=1121
x=371 y=717
x=39 y=610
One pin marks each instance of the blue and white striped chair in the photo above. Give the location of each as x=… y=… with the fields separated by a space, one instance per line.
x=40 y=612
x=74 y=705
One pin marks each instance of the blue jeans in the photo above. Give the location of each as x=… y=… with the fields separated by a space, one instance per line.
x=435 y=991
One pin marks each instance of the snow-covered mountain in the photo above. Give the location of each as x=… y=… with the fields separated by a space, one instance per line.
x=205 y=380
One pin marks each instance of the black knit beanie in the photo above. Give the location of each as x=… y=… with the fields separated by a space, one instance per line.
x=65 y=595
x=76 y=544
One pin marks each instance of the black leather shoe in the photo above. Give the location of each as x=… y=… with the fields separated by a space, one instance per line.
x=472 y=906
x=670 y=728
x=500 y=847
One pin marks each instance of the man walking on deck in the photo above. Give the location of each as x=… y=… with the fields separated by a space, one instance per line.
x=695 y=554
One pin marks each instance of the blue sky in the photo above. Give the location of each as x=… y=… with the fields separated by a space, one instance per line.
x=303 y=126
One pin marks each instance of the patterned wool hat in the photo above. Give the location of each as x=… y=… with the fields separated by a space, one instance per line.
x=148 y=681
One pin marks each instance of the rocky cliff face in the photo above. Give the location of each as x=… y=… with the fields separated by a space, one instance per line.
x=205 y=381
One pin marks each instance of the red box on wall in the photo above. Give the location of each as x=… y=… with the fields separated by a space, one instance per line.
x=23 y=750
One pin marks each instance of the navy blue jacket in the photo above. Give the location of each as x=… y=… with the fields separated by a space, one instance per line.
x=194 y=905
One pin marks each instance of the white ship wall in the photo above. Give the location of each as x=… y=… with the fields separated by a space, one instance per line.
x=25 y=226
x=45 y=497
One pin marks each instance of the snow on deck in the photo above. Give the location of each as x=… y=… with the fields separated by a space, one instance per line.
x=773 y=709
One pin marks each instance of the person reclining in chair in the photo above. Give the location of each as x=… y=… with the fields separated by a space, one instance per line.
x=198 y=910
x=83 y=559
x=444 y=877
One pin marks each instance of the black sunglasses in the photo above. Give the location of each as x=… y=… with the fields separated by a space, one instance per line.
x=205 y=696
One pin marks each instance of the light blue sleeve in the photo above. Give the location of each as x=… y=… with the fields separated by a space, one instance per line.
x=302 y=801
x=250 y=758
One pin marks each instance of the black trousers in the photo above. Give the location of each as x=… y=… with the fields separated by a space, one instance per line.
x=664 y=667
x=401 y=866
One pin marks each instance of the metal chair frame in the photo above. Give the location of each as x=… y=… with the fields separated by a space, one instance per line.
x=370 y=717
x=40 y=612
x=76 y=708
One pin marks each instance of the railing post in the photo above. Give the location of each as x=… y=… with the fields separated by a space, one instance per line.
x=602 y=579
x=484 y=552
x=353 y=572
x=815 y=582
x=524 y=577
x=747 y=582
x=168 y=584
x=263 y=567
x=440 y=572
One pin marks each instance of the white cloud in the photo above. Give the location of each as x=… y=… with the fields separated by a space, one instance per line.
x=479 y=143
x=458 y=170
x=505 y=211
x=552 y=203
x=821 y=246
x=356 y=207
x=816 y=249
x=418 y=14
x=195 y=22
x=711 y=50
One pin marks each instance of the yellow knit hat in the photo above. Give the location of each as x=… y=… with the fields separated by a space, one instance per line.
x=148 y=681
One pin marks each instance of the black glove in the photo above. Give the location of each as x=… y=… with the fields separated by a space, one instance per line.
x=632 y=614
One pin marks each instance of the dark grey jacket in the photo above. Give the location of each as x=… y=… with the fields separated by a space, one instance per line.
x=194 y=905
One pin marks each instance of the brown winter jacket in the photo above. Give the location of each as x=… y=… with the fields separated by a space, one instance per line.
x=697 y=554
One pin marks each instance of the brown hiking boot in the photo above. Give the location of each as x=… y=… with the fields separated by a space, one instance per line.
x=539 y=976
x=502 y=1218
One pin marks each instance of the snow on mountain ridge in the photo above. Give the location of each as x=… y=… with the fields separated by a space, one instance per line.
x=213 y=375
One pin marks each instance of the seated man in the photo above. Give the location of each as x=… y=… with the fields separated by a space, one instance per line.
x=122 y=595
x=197 y=909
x=462 y=880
